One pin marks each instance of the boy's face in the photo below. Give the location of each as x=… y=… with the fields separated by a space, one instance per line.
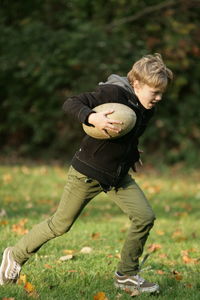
x=148 y=96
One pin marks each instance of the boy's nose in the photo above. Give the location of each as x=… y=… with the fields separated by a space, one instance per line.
x=158 y=97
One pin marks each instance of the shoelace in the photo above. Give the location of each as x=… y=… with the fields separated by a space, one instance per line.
x=14 y=272
x=139 y=279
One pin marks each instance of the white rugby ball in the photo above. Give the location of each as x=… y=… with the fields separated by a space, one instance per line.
x=121 y=113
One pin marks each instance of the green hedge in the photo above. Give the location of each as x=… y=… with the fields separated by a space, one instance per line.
x=53 y=49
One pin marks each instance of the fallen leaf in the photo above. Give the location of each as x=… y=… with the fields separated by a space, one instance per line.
x=8 y=298
x=86 y=250
x=177 y=275
x=136 y=292
x=47 y=266
x=25 y=170
x=154 y=247
x=3 y=213
x=7 y=178
x=150 y=188
x=181 y=214
x=160 y=272
x=69 y=251
x=100 y=296
x=29 y=288
x=160 y=232
x=188 y=285
x=66 y=257
x=19 y=227
x=95 y=235
x=3 y=222
x=72 y=271
x=186 y=206
x=22 y=279
x=178 y=236
x=187 y=259
x=163 y=255
x=109 y=255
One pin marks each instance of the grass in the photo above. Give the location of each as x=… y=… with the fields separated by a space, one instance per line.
x=32 y=193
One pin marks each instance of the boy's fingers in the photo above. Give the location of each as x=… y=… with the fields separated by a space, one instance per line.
x=113 y=128
x=108 y=112
x=106 y=133
x=115 y=122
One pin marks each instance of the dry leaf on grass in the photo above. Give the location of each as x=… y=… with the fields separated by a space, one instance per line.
x=187 y=259
x=8 y=298
x=7 y=178
x=100 y=296
x=160 y=232
x=47 y=266
x=66 y=251
x=132 y=293
x=154 y=247
x=30 y=289
x=72 y=271
x=188 y=285
x=163 y=255
x=19 y=227
x=177 y=275
x=3 y=213
x=160 y=272
x=3 y=222
x=86 y=250
x=95 y=235
x=22 y=279
x=66 y=257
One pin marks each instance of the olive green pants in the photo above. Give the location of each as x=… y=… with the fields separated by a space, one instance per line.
x=78 y=192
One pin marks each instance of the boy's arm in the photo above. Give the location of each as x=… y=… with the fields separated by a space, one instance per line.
x=81 y=108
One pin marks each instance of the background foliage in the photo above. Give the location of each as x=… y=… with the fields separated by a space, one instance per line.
x=56 y=48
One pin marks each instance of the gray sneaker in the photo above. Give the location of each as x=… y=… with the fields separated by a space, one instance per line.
x=133 y=283
x=10 y=269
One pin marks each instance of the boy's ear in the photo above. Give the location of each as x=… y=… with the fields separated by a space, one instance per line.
x=136 y=84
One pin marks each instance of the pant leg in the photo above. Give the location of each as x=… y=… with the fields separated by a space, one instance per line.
x=130 y=198
x=78 y=191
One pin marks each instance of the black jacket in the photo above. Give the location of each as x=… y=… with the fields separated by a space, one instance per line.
x=107 y=160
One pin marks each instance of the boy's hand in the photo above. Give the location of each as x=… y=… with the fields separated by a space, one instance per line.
x=101 y=122
x=137 y=167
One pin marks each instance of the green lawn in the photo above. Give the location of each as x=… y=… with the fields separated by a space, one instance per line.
x=29 y=194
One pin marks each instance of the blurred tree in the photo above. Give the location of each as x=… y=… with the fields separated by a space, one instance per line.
x=53 y=49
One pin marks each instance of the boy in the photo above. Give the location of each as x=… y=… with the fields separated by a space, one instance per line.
x=103 y=165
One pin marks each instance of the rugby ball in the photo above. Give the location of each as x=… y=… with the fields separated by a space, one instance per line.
x=121 y=113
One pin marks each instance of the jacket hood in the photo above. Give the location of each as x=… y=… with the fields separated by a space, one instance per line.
x=121 y=81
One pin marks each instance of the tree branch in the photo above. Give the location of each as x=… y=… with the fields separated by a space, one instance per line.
x=145 y=11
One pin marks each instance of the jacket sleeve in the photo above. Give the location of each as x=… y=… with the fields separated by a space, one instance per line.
x=81 y=106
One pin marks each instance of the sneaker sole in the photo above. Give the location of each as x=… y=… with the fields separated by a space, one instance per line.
x=3 y=266
x=131 y=288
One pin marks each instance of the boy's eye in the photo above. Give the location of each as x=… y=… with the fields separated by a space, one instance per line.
x=156 y=93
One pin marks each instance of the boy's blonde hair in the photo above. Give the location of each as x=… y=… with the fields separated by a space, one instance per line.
x=152 y=71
